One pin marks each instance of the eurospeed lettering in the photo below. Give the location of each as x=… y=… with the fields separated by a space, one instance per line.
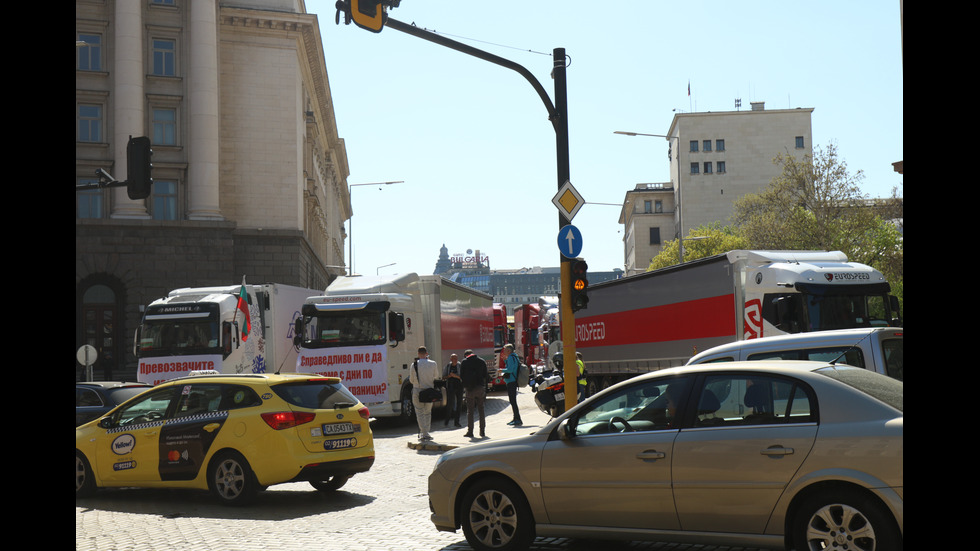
x=595 y=331
x=147 y=368
x=846 y=276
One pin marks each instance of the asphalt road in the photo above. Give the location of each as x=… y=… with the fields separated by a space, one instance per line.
x=383 y=509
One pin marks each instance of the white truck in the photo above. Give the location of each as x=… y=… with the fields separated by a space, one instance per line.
x=662 y=318
x=367 y=330
x=204 y=329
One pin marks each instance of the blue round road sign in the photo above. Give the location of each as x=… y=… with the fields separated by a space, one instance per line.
x=570 y=241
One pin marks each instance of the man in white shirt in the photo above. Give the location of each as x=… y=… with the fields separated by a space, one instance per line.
x=423 y=375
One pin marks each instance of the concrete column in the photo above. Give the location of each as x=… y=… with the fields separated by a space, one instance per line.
x=127 y=100
x=203 y=93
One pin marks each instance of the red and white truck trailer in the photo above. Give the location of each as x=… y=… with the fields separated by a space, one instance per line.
x=662 y=318
x=367 y=331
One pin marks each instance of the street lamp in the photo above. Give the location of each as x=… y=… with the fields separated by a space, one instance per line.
x=350 y=223
x=680 y=215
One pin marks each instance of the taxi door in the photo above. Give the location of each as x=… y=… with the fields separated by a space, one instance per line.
x=128 y=452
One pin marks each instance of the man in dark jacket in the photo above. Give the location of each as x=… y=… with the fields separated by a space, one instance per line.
x=473 y=372
x=454 y=389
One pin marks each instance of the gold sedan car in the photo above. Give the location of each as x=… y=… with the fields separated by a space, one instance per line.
x=794 y=455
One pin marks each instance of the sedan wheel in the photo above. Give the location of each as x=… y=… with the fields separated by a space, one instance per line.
x=496 y=516
x=332 y=484
x=853 y=522
x=231 y=479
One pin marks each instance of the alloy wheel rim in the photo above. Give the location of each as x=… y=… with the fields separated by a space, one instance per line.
x=493 y=518
x=840 y=527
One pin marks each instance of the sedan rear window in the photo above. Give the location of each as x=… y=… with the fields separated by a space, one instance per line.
x=316 y=395
x=885 y=389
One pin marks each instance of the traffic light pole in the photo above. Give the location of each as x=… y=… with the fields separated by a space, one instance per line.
x=558 y=115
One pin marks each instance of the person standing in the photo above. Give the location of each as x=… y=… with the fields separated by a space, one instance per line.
x=423 y=375
x=512 y=366
x=582 y=383
x=454 y=389
x=473 y=374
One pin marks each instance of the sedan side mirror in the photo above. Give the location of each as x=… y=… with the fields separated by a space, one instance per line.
x=566 y=430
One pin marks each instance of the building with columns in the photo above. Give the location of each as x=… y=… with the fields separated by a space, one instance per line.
x=250 y=173
x=715 y=158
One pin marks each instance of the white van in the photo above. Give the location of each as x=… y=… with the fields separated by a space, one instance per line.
x=878 y=349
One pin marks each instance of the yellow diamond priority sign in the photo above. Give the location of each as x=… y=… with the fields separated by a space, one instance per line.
x=568 y=200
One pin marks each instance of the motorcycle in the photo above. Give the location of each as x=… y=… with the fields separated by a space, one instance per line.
x=549 y=389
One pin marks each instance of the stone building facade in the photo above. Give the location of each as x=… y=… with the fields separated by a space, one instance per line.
x=250 y=174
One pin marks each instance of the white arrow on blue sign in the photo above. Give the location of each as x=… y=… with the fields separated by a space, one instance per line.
x=570 y=241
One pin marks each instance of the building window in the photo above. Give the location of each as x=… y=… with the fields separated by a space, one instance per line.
x=164 y=126
x=707 y=145
x=721 y=167
x=695 y=168
x=164 y=197
x=707 y=168
x=89 y=55
x=89 y=202
x=694 y=146
x=654 y=236
x=647 y=207
x=90 y=123
x=799 y=142
x=658 y=207
x=164 y=57
x=719 y=145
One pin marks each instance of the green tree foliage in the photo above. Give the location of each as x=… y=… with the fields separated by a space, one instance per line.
x=816 y=203
x=701 y=242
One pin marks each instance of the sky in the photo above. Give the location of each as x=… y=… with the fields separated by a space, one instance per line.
x=473 y=147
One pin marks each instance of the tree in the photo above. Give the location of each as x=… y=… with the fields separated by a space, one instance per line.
x=817 y=204
x=701 y=242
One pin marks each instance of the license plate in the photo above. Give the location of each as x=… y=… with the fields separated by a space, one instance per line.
x=559 y=396
x=337 y=428
x=340 y=444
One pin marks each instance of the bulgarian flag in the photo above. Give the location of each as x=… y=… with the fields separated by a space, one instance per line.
x=243 y=307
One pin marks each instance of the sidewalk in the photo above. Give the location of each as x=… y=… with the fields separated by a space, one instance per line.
x=498 y=414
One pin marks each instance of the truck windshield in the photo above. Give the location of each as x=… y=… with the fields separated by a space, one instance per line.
x=345 y=328
x=178 y=336
x=799 y=312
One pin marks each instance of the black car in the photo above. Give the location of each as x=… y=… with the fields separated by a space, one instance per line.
x=95 y=399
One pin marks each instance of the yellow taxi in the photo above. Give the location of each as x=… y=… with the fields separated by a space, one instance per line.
x=230 y=434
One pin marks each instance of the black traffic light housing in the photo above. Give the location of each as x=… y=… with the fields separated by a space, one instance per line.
x=578 y=284
x=138 y=176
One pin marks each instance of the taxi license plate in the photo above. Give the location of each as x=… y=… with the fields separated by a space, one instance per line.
x=560 y=396
x=337 y=428
x=340 y=444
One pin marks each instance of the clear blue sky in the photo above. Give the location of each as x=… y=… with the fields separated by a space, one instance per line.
x=474 y=147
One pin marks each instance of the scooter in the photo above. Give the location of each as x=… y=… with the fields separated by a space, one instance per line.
x=549 y=389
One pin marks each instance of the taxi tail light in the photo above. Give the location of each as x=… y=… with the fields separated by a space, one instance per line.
x=364 y=413
x=281 y=420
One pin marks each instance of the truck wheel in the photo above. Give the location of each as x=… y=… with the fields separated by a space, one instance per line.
x=848 y=520
x=496 y=517
x=84 y=478
x=231 y=480
x=408 y=407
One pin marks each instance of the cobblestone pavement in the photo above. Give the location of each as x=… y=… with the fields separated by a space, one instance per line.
x=383 y=509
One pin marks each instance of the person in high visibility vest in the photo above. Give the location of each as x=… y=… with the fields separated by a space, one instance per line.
x=582 y=383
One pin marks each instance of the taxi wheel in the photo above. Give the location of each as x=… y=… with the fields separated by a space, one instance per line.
x=496 y=517
x=332 y=484
x=84 y=479
x=231 y=479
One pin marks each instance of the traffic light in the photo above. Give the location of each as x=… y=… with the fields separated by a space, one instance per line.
x=138 y=168
x=578 y=284
x=368 y=14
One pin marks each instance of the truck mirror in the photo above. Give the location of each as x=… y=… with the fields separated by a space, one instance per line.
x=298 y=331
x=396 y=326
x=226 y=338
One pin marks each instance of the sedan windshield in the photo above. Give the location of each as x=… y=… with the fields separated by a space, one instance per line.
x=885 y=389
